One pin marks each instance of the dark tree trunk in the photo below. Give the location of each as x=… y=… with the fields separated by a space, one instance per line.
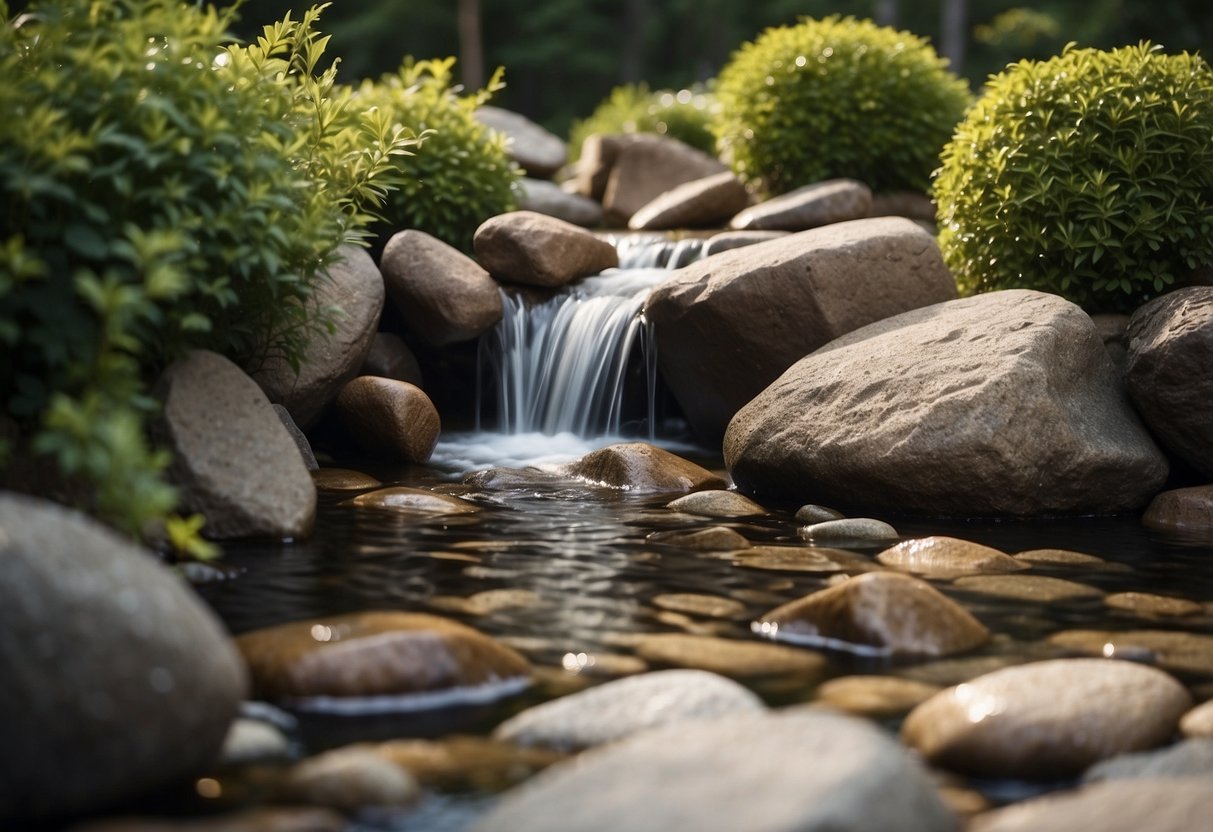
x=954 y=32
x=886 y=12
x=471 y=47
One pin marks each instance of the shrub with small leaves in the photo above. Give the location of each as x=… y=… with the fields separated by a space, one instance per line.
x=836 y=97
x=685 y=115
x=162 y=189
x=462 y=174
x=1089 y=175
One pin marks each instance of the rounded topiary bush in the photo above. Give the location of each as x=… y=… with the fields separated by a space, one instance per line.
x=1089 y=175
x=685 y=115
x=836 y=97
x=461 y=175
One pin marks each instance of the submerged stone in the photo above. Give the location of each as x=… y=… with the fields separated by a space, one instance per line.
x=789 y=559
x=1150 y=605
x=1173 y=650
x=1038 y=588
x=729 y=657
x=946 y=556
x=401 y=498
x=855 y=530
x=717 y=504
x=711 y=539
x=811 y=513
x=343 y=479
x=708 y=606
x=876 y=697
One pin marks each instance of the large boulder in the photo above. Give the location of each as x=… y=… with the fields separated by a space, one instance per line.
x=796 y=770
x=1167 y=372
x=538 y=250
x=538 y=152
x=354 y=288
x=647 y=165
x=727 y=326
x=443 y=296
x=233 y=460
x=1004 y=404
x=117 y=680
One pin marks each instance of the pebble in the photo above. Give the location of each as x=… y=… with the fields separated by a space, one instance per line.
x=708 y=606
x=1172 y=650
x=946 y=557
x=465 y=762
x=711 y=539
x=1038 y=588
x=1148 y=604
x=1060 y=557
x=1188 y=510
x=876 y=697
x=616 y=709
x=1190 y=758
x=348 y=780
x=1115 y=806
x=253 y=741
x=729 y=657
x=1198 y=722
x=400 y=498
x=810 y=514
x=855 y=530
x=1048 y=719
x=717 y=504
x=787 y=559
x=487 y=602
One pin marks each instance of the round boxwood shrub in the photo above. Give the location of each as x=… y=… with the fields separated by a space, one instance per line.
x=1089 y=175
x=461 y=174
x=836 y=97
x=685 y=115
x=160 y=189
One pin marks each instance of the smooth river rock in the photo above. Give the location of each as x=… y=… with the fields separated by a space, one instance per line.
x=862 y=531
x=1189 y=758
x=642 y=468
x=727 y=326
x=349 y=780
x=729 y=656
x=1002 y=404
x=702 y=203
x=1047 y=719
x=538 y=250
x=380 y=661
x=876 y=697
x=715 y=503
x=233 y=460
x=1188 y=510
x=644 y=166
x=1198 y=722
x=1175 y=650
x=1167 y=372
x=617 y=709
x=537 y=151
x=355 y=288
x=1180 y=805
x=947 y=556
x=389 y=418
x=803 y=771
x=810 y=206
x=878 y=614
x=117 y=679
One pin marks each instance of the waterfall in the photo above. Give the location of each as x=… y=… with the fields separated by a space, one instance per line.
x=655 y=251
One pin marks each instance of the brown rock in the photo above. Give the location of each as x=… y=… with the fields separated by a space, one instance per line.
x=789 y=559
x=349 y=780
x=1150 y=605
x=1002 y=404
x=1180 y=652
x=402 y=498
x=390 y=417
x=443 y=296
x=1047 y=719
x=701 y=203
x=330 y=359
x=711 y=539
x=377 y=654
x=1060 y=557
x=729 y=657
x=708 y=606
x=390 y=357
x=1182 y=510
x=1198 y=722
x=878 y=613
x=233 y=460
x=947 y=556
x=537 y=250
x=598 y=156
x=462 y=763
x=646 y=167
x=642 y=468
x=823 y=203
x=1167 y=372
x=1157 y=805
x=1038 y=588
x=537 y=151
x=717 y=504
x=343 y=479
x=727 y=326
x=876 y=697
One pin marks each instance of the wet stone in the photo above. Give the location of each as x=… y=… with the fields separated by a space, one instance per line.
x=1198 y=722
x=717 y=504
x=1171 y=650
x=854 y=530
x=254 y=741
x=788 y=559
x=1047 y=719
x=708 y=606
x=642 y=468
x=1038 y=588
x=1190 y=758
x=730 y=657
x=380 y=661
x=343 y=479
x=696 y=626
x=401 y=498
x=602 y=665
x=616 y=709
x=876 y=697
x=488 y=602
x=1182 y=509
x=461 y=762
x=1118 y=806
x=711 y=539
x=1150 y=605
x=811 y=514
x=1061 y=557
x=389 y=418
x=878 y=614
x=348 y=780
x=947 y=556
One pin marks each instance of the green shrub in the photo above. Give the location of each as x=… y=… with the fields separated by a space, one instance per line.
x=836 y=97
x=462 y=174
x=685 y=115
x=161 y=190
x=1089 y=175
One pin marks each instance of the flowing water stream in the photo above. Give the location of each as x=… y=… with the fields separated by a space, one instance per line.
x=572 y=571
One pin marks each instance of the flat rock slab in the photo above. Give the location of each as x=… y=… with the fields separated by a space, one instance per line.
x=233 y=459
x=1003 y=404
x=701 y=203
x=617 y=709
x=1041 y=589
x=1048 y=719
x=538 y=250
x=811 y=772
x=879 y=614
x=537 y=151
x=727 y=326
x=811 y=206
x=729 y=656
x=1157 y=805
x=642 y=468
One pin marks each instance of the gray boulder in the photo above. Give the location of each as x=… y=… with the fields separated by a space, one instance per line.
x=549 y=198
x=117 y=680
x=798 y=770
x=1003 y=404
x=443 y=296
x=538 y=250
x=538 y=152
x=233 y=460
x=823 y=203
x=700 y=203
x=727 y=326
x=355 y=287
x=1167 y=372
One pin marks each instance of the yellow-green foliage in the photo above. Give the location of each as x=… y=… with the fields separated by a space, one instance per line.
x=161 y=189
x=1089 y=175
x=685 y=115
x=836 y=97
x=461 y=175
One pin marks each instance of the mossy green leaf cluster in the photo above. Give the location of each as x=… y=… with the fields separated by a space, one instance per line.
x=1089 y=175
x=836 y=97
x=162 y=189
x=684 y=114
x=462 y=174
